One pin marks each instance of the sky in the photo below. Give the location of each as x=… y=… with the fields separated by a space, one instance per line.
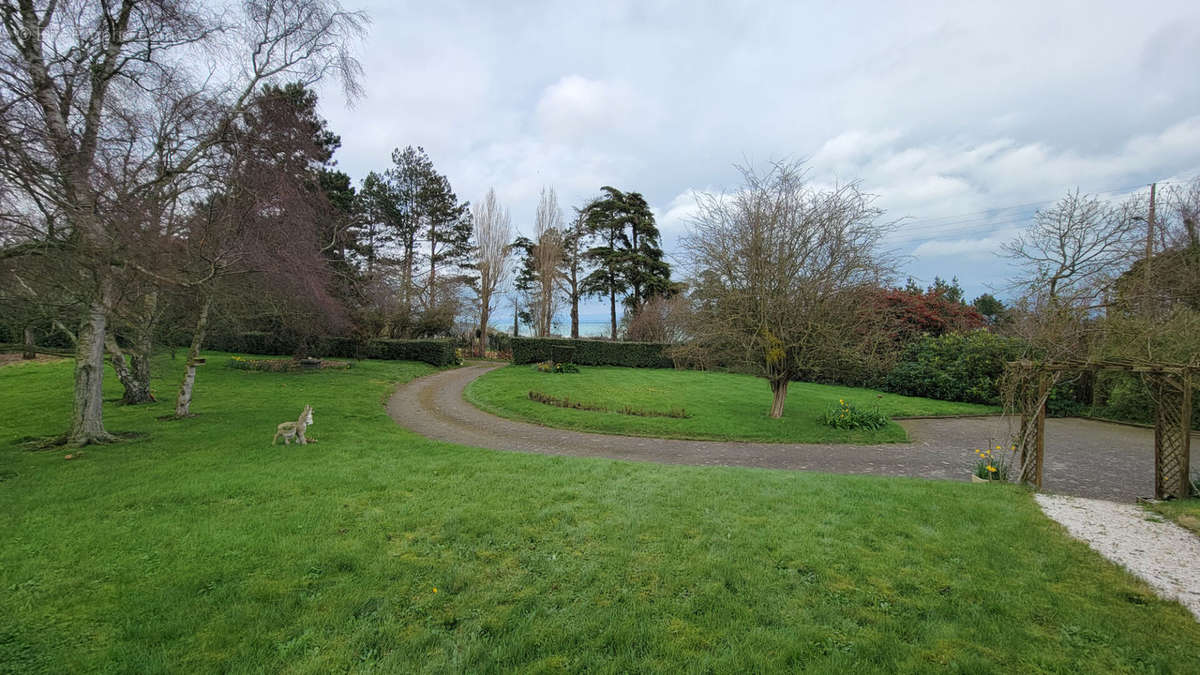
x=961 y=118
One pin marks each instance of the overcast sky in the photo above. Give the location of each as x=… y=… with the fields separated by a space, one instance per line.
x=945 y=111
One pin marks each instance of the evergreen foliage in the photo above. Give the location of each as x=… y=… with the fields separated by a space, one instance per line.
x=628 y=254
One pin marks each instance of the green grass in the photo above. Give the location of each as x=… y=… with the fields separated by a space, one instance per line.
x=1186 y=512
x=723 y=406
x=202 y=548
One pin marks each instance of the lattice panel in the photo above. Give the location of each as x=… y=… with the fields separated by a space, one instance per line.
x=1172 y=429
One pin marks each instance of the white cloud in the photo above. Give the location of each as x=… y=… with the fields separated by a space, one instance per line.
x=576 y=108
x=939 y=111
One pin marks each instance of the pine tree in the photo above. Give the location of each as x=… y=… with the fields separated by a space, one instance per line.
x=629 y=256
x=447 y=230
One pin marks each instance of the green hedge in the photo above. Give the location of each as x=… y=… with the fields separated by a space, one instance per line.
x=593 y=352
x=435 y=352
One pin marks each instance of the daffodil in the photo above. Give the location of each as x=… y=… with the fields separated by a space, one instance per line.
x=991 y=468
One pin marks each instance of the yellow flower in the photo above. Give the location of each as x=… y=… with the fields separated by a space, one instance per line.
x=435 y=589
x=990 y=468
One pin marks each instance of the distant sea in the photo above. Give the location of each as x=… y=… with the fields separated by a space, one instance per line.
x=588 y=326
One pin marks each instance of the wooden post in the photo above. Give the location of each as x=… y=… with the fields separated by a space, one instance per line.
x=1185 y=421
x=1043 y=387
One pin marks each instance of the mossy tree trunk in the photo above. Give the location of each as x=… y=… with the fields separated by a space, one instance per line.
x=779 y=387
x=87 y=420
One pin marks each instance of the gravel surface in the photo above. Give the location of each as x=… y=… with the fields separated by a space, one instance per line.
x=1083 y=457
x=1162 y=553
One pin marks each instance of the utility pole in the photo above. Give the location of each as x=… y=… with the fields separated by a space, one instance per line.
x=1149 y=247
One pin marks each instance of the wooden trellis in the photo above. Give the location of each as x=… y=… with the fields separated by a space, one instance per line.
x=1171 y=388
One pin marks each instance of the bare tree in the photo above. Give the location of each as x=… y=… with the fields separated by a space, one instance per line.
x=780 y=272
x=1180 y=225
x=493 y=231
x=547 y=257
x=662 y=318
x=80 y=81
x=1074 y=251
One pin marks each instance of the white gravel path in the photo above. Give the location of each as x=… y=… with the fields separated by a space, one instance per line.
x=1162 y=553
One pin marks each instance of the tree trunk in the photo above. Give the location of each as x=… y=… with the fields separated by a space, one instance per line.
x=183 y=402
x=432 y=269
x=117 y=358
x=612 y=308
x=779 y=392
x=574 y=315
x=138 y=391
x=87 y=422
x=483 y=330
x=134 y=372
x=29 y=353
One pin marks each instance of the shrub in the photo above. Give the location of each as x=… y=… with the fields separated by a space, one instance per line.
x=843 y=415
x=557 y=367
x=954 y=367
x=593 y=352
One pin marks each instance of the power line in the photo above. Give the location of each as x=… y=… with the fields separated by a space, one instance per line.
x=993 y=211
x=930 y=228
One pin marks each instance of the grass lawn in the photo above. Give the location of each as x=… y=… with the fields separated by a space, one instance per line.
x=1186 y=512
x=201 y=548
x=723 y=406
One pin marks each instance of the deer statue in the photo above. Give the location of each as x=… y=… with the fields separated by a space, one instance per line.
x=290 y=430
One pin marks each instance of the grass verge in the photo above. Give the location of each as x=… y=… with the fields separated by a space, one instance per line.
x=1185 y=512
x=721 y=406
x=200 y=547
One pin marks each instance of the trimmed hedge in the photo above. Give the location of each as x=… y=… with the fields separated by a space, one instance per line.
x=593 y=352
x=435 y=352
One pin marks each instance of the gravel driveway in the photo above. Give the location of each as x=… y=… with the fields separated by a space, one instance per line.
x=1083 y=458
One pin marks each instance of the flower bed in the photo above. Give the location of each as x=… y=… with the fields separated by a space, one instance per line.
x=285 y=365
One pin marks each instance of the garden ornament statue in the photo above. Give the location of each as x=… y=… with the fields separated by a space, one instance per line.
x=290 y=430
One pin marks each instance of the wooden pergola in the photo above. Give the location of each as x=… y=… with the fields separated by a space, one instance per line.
x=1170 y=387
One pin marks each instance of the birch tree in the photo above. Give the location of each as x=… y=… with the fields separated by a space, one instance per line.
x=80 y=80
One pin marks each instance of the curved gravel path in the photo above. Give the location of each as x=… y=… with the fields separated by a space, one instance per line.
x=1164 y=554
x=1083 y=457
